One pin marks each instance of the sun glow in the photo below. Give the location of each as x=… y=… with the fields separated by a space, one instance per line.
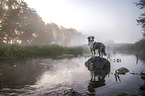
x=59 y=12
x=95 y=17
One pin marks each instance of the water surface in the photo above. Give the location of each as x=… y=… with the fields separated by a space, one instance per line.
x=51 y=77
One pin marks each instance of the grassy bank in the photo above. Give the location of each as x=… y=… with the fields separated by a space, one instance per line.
x=136 y=47
x=16 y=51
x=140 y=45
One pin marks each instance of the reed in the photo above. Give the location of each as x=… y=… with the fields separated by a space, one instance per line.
x=15 y=51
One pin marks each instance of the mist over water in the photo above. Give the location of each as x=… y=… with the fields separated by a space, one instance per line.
x=62 y=76
x=39 y=58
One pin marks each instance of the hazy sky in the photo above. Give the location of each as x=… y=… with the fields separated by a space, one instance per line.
x=105 y=19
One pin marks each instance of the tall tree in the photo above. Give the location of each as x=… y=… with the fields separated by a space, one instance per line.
x=18 y=22
x=141 y=19
x=11 y=19
x=2 y=11
x=57 y=33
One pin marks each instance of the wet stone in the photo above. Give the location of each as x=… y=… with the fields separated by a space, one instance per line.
x=143 y=77
x=122 y=70
x=142 y=87
x=97 y=63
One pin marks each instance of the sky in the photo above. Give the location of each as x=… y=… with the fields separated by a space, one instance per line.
x=105 y=19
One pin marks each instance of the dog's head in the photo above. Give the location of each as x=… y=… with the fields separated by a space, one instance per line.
x=91 y=38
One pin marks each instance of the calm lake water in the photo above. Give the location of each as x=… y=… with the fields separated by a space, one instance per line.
x=61 y=77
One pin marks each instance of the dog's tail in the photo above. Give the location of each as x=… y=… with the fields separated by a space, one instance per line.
x=105 y=53
x=103 y=50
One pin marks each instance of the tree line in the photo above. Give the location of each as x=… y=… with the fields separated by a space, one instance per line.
x=21 y=24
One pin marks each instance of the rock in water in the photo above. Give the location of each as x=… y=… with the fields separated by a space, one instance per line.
x=97 y=63
x=122 y=70
x=142 y=87
x=99 y=68
x=143 y=77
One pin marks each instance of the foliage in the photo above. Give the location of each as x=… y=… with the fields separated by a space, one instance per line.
x=140 y=45
x=75 y=51
x=136 y=47
x=123 y=47
x=141 y=19
x=16 y=51
x=141 y=4
x=21 y=24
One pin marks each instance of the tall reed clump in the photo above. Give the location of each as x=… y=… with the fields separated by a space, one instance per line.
x=15 y=51
x=43 y=51
x=78 y=50
x=11 y=51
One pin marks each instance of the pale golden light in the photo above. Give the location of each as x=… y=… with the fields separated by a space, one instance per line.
x=59 y=12
x=92 y=17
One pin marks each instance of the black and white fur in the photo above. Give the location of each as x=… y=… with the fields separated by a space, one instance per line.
x=96 y=46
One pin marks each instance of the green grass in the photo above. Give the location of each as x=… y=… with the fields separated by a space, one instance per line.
x=16 y=51
x=140 y=45
x=136 y=47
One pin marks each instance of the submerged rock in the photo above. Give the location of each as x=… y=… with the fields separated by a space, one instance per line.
x=122 y=94
x=71 y=92
x=142 y=87
x=91 y=93
x=122 y=70
x=143 y=77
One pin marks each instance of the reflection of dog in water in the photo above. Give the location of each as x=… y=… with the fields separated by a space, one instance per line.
x=99 y=69
x=96 y=46
x=96 y=83
x=98 y=78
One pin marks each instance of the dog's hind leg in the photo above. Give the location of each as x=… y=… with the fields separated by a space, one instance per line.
x=99 y=51
x=94 y=52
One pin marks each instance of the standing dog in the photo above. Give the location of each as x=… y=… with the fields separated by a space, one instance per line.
x=96 y=46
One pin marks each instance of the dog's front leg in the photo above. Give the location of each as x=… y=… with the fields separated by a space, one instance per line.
x=99 y=51
x=93 y=77
x=92 y=53
x=102 y=55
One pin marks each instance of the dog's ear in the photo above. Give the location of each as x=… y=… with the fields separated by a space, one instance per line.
x=88 y=37
x=93 y=37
